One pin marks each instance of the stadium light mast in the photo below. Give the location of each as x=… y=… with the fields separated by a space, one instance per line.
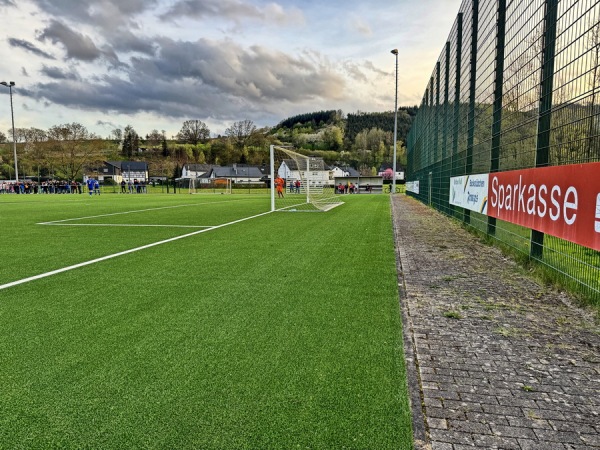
x=395 y=52
x=10 y=84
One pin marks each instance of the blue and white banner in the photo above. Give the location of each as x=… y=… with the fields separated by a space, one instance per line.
x=470 y=192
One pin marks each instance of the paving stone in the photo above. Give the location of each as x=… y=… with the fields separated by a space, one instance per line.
x=442 y=446
x=496 y=442
x=451 y=437
x=489 y=418
x=522 y=360
x=591 y=439
x=526 y=422
x=469 y=426
x=442 y=424
x=526 y=433
x=565 y=437
x=527 y=444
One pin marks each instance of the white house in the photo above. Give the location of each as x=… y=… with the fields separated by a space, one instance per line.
x=123 y=170
x=318 y=174
x=237 y=173
x=341 y=172
x=195 y=170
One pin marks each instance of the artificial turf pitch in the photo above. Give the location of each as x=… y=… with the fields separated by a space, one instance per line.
x=282 y=331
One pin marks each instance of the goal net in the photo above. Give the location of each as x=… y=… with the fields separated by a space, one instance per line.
x=209 y=185
x=300 y=183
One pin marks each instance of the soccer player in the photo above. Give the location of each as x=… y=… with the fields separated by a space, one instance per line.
x=279 y=185
x=90 y=185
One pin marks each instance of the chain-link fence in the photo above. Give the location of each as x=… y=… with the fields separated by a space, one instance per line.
x=516 y=87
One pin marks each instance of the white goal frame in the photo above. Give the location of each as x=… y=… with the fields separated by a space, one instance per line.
x=313 y=195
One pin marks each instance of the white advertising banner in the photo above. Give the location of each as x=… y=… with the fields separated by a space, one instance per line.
x=470 y=192
x=412 y=186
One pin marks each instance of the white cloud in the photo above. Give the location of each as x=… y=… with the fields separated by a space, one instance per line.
x=154 y=63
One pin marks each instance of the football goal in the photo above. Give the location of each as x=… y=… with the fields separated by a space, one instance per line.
x=300 y=183
x=209 y=186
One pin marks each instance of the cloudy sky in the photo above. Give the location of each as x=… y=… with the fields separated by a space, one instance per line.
x=155 y=63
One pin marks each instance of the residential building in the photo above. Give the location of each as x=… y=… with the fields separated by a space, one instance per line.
x=340 y=172
x=318 y=172
x=237 y=173
x=195 y=170
x=123 y=170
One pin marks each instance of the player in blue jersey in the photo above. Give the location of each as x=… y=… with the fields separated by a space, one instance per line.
x=90 y=185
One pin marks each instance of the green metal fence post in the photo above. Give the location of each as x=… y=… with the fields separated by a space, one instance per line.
x=456 y=121
x=472 y=92
x=446 y=103
x=446 y=162
x=436 y=137
x=542 y=157
x=498 y=94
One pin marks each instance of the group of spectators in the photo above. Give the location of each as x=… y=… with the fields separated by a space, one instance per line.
x=45 y=187
x=348 y=188
x=66 y=187
x=135 y=186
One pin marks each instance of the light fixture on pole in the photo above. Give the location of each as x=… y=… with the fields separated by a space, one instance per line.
x=10 y=84
x=395 y=52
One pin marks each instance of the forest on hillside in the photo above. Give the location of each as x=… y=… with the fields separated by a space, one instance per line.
x=69 y=151
x=356 y=122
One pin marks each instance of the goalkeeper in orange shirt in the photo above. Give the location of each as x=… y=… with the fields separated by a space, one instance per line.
x=279 y=185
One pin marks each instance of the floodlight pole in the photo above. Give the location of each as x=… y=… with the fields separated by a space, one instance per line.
x=395 y=52
x=10 y=84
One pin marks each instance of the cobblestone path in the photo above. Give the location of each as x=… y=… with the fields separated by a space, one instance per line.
x=496 y=360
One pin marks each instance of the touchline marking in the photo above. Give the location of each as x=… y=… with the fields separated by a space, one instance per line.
x=130 y=212
x=126 y=252
x=122 y=225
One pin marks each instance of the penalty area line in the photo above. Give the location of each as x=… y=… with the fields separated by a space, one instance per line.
x=125 y=252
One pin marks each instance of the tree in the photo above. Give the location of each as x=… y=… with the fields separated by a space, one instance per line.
x=116 y=135
x=34 y=148
x=334 y=138
x=131 y=141
x=2 y=137
x=222 y=152
x=71 y=148
x=240 y=133
x=193 y=132
x=164 y=147
x=154 y=138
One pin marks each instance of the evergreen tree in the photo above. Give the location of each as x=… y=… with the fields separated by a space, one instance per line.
x=165 y=148
x=131 y=142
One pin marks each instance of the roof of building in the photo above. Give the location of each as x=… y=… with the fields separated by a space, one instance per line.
x=198 y=167
x=235 y=171
x=129 y=165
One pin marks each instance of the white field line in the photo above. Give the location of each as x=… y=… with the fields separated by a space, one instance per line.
x=126 y=252
x=121 y=225
x=129 y=212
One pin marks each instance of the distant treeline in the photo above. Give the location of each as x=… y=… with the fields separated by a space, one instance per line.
x=314 y=118
x=356 y=122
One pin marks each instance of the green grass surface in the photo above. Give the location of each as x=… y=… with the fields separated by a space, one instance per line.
x=282 y=331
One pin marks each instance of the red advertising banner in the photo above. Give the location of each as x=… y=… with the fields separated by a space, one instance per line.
x=563 y=201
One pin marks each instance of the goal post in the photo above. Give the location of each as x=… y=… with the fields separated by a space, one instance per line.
x=299 y=182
